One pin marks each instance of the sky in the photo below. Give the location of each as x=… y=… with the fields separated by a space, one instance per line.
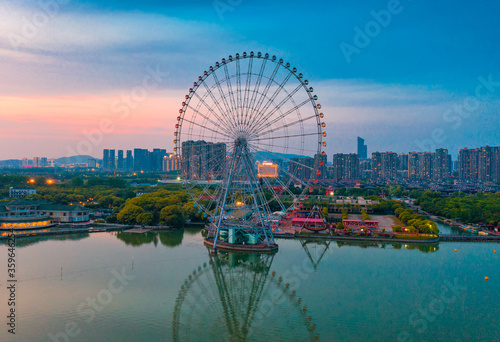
x=409 y=75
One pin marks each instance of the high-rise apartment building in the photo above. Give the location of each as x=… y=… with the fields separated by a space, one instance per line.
x=129 y=163
x=120 y=161
x=105 y=159
x=203 y=160
x=480 y=164
x=384 y=165
x=346 y=166
x=112 y=160
x=429 y=165
x=362 y=149
x=301 y=168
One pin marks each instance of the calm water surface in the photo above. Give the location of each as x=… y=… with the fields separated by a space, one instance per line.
x=167 y=287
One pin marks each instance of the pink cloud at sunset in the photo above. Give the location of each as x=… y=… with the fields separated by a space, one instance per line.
x=53 y=126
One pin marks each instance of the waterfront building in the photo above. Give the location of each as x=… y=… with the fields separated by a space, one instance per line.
x=20 y=192
x=25 y=214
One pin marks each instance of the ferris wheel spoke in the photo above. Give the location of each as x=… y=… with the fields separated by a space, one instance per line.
x=208 y=119
x=263 y=96
x=257 y=87
x=247 y=90
x=223 y=96
x=222 y=123
x=223 y=113
x=275 y=195
x=285 y=114
x=285 y=188
x=271 y=100
x=302 y=150
x=238 y=93
x=284 y=126
x=286 y=137
x=230 y=94
x=279 y=105
x=206 y=127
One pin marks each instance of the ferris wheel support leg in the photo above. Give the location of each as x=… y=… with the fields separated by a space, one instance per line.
x=251 y=180
x=221 y=215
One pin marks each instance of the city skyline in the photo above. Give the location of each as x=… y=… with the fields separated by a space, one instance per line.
x=63 y=87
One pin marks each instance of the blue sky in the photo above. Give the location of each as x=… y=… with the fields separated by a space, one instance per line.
x=397 y=92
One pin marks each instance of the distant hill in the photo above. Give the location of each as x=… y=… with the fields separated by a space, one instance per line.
x=58 y=162
x=266 y=156
x=73 y=160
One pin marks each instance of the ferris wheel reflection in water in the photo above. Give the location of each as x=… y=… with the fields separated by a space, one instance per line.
x=236 y=297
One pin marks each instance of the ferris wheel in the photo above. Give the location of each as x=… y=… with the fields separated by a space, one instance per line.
x=248 y=135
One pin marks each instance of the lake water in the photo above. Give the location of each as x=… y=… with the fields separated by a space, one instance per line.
x=167 y=287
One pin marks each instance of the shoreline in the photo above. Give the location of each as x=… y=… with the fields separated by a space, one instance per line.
x=100 y=229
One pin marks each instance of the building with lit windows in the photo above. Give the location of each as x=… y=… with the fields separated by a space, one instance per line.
x=31 y=214
x=20 y=192
x=267 y=169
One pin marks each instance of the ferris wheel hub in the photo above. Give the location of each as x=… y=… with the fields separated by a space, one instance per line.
x=241 y=142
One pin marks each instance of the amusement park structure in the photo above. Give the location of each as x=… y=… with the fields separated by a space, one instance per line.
x=247 y=113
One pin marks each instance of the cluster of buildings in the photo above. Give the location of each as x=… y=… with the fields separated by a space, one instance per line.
x=37 y=162
x=480 y=164
x=157 y=160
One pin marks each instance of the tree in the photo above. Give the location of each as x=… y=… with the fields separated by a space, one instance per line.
x=145 y=219
x=129 y=214
x=324 y=212
x=340 y=225
x=76 y=181
x=172 y=215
